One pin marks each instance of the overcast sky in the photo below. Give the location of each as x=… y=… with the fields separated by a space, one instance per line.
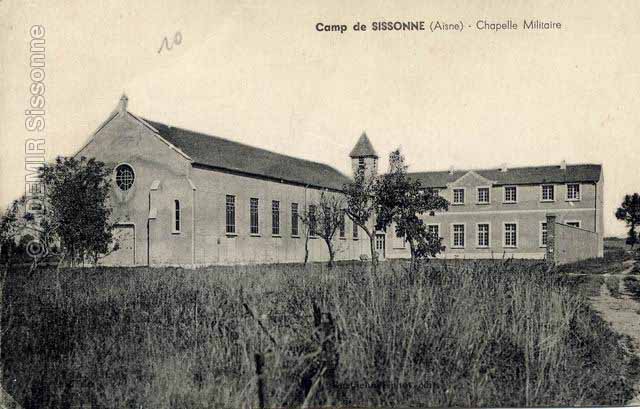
x=263 y=75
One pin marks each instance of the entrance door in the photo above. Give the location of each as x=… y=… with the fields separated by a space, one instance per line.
x=380 y=246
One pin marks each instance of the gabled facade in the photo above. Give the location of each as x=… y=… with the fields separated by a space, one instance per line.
x=185 y=198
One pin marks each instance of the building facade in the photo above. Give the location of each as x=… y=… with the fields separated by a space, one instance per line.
x=185 y=198
x=503 y=212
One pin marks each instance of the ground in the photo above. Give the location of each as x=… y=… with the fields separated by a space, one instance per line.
x=622 y=311
x=457 y=333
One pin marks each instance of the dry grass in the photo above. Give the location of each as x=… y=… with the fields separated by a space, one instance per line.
x=462 y=334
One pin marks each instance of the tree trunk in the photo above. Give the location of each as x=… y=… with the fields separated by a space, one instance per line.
x=331 y=253
x=372 y=245
x=306 y=248
x=413 y=255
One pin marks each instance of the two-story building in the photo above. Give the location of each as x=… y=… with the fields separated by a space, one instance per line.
x=503 y=211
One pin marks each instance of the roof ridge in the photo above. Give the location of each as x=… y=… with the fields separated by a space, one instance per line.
x=509 y=168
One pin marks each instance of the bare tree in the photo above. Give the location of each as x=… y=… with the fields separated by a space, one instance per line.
x=324 y=219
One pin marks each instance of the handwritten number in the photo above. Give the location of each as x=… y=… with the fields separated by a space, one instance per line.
x=177 y=40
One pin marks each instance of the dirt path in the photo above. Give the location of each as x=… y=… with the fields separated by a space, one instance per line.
x=624 y=315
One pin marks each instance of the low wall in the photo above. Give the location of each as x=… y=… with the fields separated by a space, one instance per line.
x=568 y=244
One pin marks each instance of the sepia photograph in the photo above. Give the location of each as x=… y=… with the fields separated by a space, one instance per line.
x=248 y=204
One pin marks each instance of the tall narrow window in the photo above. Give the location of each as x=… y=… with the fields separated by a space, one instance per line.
x=458 y=236
x=543 y=234
x=510 y=235
x=275 y=218
x=294 y=219
x=361 y=164
x=355 y=231
x=312 y=220
x=483 y=235
x=342 y=225
x=231 y=214
x=176 y=216
x=253 y=214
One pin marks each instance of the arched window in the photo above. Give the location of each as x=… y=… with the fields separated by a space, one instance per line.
x=124 y=177
x=176 y=217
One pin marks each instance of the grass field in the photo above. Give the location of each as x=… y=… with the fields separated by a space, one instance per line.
x=459 y=334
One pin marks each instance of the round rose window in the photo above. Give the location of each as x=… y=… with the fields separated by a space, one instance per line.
x=124 y=177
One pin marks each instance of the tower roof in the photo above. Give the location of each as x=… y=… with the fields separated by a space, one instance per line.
x=363 y=148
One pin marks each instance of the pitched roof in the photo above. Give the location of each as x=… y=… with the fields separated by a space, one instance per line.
x=363 y=148
x=216 y=152
x=517 y=176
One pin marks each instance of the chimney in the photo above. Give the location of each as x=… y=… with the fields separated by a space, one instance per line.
x=563 y=165
x=451 y=170
x=503 y=167
x=122 y=106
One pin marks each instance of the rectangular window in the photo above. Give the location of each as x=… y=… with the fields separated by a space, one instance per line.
x=434 y=229
x=573 y=191
x=510 y=194
x=458 y=196
x=176 y=216
x=294 y=219
x=548 y=193
x=361 y=164
x=543 y=234
x=483 y=235
x=355 y=231
x=398 y=242
x=573 y=223
x=275 y=218
x=231 y=214
x=253 y=214
x=312 y=220
x=342 y=231
x=510 y=235
x=483 y=195
x=458 y=236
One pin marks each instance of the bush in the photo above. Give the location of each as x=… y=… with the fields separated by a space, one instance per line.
x=454 y=334
x=632 y=284
x=613 y=285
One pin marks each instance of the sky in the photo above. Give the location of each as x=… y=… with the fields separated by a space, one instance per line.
x=260 y=73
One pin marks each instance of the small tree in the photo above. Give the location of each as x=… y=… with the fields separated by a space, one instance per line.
x=361 y=204
x=629 y=212
x=402 y=201
x=8 y=230
x=76 y=194
x=324 y=220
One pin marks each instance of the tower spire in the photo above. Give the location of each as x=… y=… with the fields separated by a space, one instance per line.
x=363 y=157
x=363 y=148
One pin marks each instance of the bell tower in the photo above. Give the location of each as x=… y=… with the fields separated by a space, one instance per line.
x=363 y=157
